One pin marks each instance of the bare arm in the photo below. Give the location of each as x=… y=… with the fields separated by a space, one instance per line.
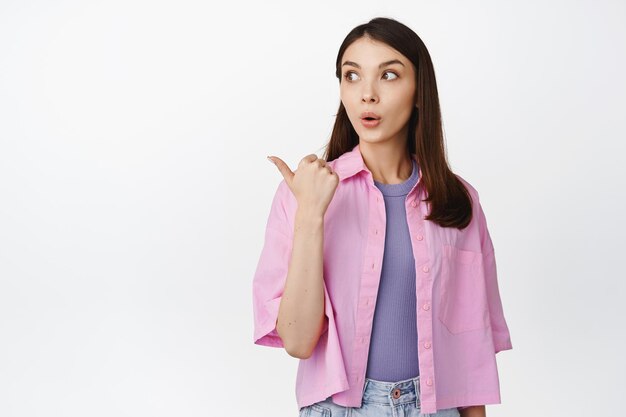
x=301 y=313
x=301 y=317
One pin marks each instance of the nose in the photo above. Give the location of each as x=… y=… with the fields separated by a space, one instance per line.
x=369 y=94
x=369 y=98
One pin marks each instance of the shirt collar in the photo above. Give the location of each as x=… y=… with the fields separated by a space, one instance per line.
x=351 y=163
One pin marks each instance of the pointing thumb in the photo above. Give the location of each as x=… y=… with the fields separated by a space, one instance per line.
x=283 y=168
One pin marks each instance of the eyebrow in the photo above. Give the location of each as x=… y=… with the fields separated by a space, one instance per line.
x=384 y=64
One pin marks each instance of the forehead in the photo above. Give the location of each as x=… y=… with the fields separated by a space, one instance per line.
x=369 y=53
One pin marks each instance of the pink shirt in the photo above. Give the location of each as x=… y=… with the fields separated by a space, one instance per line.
x=459 y=312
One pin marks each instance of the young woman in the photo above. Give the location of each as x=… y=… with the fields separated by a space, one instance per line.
x=378 y=271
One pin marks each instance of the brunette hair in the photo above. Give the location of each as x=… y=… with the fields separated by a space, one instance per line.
x=450 y=201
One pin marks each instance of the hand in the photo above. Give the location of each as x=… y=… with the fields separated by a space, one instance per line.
x=313 y=184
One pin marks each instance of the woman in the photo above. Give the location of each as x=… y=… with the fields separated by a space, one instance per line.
x=378 y=271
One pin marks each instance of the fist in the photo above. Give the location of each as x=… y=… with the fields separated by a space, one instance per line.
x=313 y=183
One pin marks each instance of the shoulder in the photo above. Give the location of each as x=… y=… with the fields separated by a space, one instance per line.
x=284 y=203
x=477 y=231
x=478 y=215
x=470 y=188
x=283 y=194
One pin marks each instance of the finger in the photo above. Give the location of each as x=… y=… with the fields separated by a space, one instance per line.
x=284 y=169
x=309 y=158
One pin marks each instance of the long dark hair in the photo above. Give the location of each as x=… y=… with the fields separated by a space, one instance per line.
x=450 y=201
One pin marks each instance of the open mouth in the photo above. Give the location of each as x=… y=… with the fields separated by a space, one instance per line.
x=370 y=122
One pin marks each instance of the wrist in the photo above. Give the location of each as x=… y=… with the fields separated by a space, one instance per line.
x=309 y=219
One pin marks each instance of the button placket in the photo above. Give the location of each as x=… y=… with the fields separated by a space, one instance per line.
x=416 y=216
x=373 y=254
x=424 y=291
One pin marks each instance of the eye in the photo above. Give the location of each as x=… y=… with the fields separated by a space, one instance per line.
x=348 y=73
x=391 y=72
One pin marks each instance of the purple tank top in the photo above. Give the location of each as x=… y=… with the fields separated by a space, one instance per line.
x=393 y=346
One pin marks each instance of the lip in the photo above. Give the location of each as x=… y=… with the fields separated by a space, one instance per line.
x=369 y=114
x=370 y=123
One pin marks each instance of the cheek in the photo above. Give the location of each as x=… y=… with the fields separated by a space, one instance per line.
x=348 y=101
x=346 y=95
x=404 y=105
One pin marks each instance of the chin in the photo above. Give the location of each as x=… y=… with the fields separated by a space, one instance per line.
x=371 y=139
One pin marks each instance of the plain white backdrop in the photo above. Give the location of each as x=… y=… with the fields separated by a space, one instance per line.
x=134 y=191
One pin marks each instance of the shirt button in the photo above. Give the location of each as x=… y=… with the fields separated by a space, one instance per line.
x=376 y=231
x=425 y=268
x=427 y=345
x=413 y=204
x=429 y=382
x=420 y=237
x=426 y=306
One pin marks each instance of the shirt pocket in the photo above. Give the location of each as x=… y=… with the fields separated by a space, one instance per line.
x=463 y=297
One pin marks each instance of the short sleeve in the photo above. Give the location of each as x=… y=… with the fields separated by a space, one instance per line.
x=499 y=328
x=271 y=271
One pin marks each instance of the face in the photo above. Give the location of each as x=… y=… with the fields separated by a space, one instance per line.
x=377 y=78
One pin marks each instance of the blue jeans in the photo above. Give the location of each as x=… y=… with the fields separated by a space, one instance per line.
x=380 y=399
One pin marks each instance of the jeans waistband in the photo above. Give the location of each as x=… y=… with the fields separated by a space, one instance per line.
x=386 y=392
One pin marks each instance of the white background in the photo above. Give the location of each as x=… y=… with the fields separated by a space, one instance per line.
x=134 y=191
